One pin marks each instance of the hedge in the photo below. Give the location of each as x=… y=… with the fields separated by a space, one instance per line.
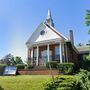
x=66 y=68
x=53 y=64
x=2 y=67
x=20 y=66
x=29 y=66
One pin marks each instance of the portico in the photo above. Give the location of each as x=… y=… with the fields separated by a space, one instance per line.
x=43 y=53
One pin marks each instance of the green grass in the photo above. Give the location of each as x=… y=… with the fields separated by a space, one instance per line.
x=24 y=82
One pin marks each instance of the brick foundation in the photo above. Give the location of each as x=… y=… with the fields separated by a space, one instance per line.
x=37 y=72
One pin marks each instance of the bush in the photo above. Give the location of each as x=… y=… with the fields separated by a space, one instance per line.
x=2 y=67
x=52 y=63
x=40 y=68
x=83 y=80
x=62 y=83
x=86 y=65
x=29 y=66
x=20 y=66
x=66 y=68
x=80 y=81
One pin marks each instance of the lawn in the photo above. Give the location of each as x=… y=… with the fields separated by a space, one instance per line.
x=24 y=82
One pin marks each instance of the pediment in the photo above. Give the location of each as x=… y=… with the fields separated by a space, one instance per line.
x=44 y=33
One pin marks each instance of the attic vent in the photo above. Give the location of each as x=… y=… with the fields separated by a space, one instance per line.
x=42 y=32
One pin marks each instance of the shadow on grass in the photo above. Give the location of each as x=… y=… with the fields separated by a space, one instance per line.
x=1 y=88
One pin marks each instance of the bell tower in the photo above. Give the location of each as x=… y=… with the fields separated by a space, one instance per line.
x=49 y=19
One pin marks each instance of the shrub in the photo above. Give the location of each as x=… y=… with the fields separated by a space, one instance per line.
x=29 y=66
x=62 y=83
x=20 y=66
x=66 y=68
x=80 y=81
x=2 y=67
x=52 y=63
x=40 y=68
x=83 y=80
x=86 y=65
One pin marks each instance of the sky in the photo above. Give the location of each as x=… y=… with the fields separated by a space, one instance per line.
x=20 y=18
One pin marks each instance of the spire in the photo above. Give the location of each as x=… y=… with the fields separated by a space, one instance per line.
x=49 y=19
x=49 y=15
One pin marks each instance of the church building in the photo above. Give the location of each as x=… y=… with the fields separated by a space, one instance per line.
x=47 y=44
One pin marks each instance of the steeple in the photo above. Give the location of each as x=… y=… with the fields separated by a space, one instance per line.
x=49 y=19
x=49 y=15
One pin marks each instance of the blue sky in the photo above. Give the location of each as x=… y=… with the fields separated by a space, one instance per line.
x=20 y=18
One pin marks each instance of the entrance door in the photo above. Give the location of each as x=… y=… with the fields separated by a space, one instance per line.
x=44 y=57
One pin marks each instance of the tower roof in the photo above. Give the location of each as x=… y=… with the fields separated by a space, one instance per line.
x=49 y=19
x=49 y=15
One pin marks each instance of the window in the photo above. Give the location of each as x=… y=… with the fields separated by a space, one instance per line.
x=57 y=53
x=35 y=55
x=44 y=56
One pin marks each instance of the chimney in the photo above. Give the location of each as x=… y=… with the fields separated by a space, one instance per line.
x=71 y=37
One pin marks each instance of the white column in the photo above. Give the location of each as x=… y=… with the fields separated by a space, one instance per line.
x=32 y=56
x=63 y=52
x=48 y=52
x=37 y=55
x=60 y=48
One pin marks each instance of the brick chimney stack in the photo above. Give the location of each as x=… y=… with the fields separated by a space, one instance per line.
x=71 y=37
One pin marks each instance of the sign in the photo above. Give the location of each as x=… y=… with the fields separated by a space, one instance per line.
x=10 y=70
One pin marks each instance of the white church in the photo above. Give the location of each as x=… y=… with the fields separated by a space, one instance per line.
x=47 y=44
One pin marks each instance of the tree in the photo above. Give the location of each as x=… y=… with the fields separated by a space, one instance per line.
x=88 y=20
x=6 y=59
x=88 y=24
x=79 y=45
x=9 y=59
x=16 y=60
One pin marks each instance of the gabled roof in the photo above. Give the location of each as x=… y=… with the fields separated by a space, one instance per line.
x=83 y=49
x=58 y=33
x=50 y=34
x=49 y=31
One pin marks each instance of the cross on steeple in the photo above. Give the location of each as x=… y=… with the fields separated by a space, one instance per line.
x=49 y=19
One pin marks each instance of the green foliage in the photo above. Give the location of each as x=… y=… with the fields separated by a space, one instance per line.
x=20 y=66
x=83 y=80
x=86 y=65
x=62 y=83
x=29 y=66
x=52 y=63
x=88 y=18
x=88 y=57
x=16 y=60
x=40 y=68
x=80 y=81
x=2 y=67
x=66 y=68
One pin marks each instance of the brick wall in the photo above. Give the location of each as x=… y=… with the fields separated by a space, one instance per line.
x=37 y=72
